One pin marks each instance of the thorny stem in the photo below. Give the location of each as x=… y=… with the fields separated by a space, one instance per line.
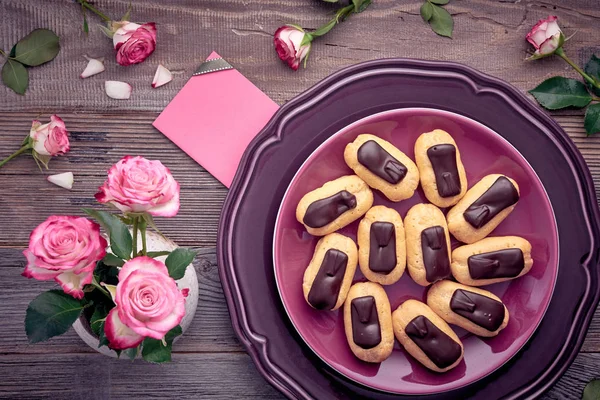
x=560 y=52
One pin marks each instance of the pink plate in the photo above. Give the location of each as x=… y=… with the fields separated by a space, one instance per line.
x=483 y=152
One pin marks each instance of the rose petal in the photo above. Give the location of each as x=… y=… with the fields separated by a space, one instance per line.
x=118 y=334
x=144 y=263
x=73 y=283
x=117 y=90
x=33 y=271
x=161 y=77
x=64 y=180
x=94 y=66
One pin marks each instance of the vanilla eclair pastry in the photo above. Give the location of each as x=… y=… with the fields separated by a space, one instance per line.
x=426 y=336
x=334 y=205
x=381 y=245
x=427 y=244
x=492 y=260
x=329 y=274
x=483 y=208
x=441 y=170
x=382 y=166
x=476 y=310
x=368 y=322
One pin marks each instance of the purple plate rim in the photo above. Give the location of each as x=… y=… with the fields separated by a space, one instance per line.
x=256 y=344
x=366 y=120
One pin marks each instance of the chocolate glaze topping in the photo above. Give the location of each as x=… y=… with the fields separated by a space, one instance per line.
x=382 y=252
x=325 y=289
x=435 y=253
x=366 y=332
x=443 y=162
x=481 y=310
x=500 y=195
x=325 y=211
x=377 y=160
x=439 y=347
x=507 y=263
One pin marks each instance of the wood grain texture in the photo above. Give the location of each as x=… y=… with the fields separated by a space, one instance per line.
x=209 y=361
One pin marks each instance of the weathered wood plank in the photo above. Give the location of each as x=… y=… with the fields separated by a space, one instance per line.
x=210 y=330
x=94 y=376
x=488 y=35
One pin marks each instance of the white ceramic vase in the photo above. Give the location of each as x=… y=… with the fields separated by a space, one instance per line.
x=154 y=242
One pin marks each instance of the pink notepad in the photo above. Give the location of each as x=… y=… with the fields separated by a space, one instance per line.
x=215 y=116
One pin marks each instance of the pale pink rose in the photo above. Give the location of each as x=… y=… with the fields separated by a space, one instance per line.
x=288 y=44
x=134 y=42
x=51 y=139
x=65 y=249
x=148 y=304
x=137 y=185
x=546 y=37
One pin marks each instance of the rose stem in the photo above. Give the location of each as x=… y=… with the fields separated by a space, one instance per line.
x=342 y=13
x=143 y=234
x=20 y=151
x=560 y=52
x=87 y=5
x=99 y=287
x=135 y=234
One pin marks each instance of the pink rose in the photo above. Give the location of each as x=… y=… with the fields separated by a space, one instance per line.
x=50 y=139
x=148 y=304
x=546 y=37
x=288 y=43
x=65 y=249
x=134 y=42
x=137 y=185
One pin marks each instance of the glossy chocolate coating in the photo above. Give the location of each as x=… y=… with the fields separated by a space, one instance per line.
x=481 y=310
x=500 y=195
x=443 y=162
x=507 y=263
x=382 y=251
x=366 y=332
x=325 y=211
x=435 y=254
x=377 y=160
x=439 y=347
x=325 y=289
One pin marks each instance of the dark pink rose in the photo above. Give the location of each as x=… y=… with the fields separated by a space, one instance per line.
x=134 y=42
x=65 y=249
x=288 y=43
x=51 y=139
x=148 y=304
x=546 y=37
x=137 y=185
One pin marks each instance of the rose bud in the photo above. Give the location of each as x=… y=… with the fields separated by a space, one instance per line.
x=51 y=139
x=134 y=42
x=288 y=43
x=137 y=185
x=148 y=304
x=546 y=37
x=65 y=249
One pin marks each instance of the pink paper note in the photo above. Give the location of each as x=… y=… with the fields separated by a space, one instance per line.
x=214 y=118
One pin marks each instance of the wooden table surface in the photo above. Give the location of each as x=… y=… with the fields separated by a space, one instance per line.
x=209 y=362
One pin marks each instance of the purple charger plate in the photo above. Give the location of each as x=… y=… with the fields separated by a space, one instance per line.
x=483 y=152
x=246 y=228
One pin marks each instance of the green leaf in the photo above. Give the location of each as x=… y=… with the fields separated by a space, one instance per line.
x=178 y=261
x=51 y=314
x=155 y=351
x=592 y=119
x=361 y=5
x=441 y=21
x=102 y=339
x=86 y=27
x=106 y=273
x=592 y=390
x=154 y=254
x=112 y=260
x=132 y=353
x=39 y=47
x=121 y=242
x=592 y=68
x=558 y=92
x=15 y=76
x=426 y=11
x=98 y=318
x=439 y=2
